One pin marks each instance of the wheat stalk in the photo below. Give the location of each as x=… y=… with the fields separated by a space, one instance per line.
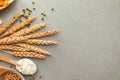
x=18 y=27
x=43 y=34
x=34 y=48
x=42 y=42
x=28 y=54
x=5 y=26
x=26 y=31
x=13 y=40
x=12 y=48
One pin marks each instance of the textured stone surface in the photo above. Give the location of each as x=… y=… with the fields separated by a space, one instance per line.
x=89 y=41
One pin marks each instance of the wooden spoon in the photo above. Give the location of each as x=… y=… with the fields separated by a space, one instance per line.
x=4 y=69
x=8 y=60
x=20 y=67
x=5 y=4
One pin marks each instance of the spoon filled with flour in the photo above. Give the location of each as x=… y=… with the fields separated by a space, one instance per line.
x=24 y=66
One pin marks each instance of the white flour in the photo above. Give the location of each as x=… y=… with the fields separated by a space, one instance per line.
x=26 y=67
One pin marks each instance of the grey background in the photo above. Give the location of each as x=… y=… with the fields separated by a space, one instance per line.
x=89 y=40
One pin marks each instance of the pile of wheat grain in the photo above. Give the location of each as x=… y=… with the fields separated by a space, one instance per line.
x=18 y=39
x=9 y=75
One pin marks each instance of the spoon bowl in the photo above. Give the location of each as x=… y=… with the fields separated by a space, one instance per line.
x=5 y=4
x=29 y=67
x=4 y=70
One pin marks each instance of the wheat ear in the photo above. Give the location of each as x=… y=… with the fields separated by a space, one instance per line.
x=43 y=34
x=5 y=26
x=42 y=42
x=18 y=27
x=26 y=31
x=28 y=54
x=34 y=48
x=13 y=40
x=12 y=48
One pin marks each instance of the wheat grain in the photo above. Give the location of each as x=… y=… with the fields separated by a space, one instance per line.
x=5 y=26
x=13 y=40
x=10 y=75
x=12 y=48
x=18 y=27
x=42 y=42
x=28 y=54
x=19 y=33
x=26 y=31
x=43 y=34
x=34 y=48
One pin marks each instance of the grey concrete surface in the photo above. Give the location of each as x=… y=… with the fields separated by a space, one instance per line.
x=89 y=40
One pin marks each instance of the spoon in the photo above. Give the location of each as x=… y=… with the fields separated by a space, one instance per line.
x=7 y=4
x=25 y=66
x=4 y=70
x=8 y=60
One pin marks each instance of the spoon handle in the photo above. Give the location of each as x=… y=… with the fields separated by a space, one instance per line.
x=8 y=60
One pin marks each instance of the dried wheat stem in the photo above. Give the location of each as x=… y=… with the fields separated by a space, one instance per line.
x=42 y=42
x=28 y=54
x=34 y=48
x=43 y=34
x=26 y=31
x=12 y=48
x=12 y=40
x=18 y=27
x=5 y=26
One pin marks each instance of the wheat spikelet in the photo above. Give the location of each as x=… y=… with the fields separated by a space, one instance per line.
x=42 y=42
x=13 y=48
x=13 y=40
x=19 y=33
x=18 y=27
x=28 y=54
x=4 y=27
x=26 y=31
x=34 y=48
x=43 y=34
